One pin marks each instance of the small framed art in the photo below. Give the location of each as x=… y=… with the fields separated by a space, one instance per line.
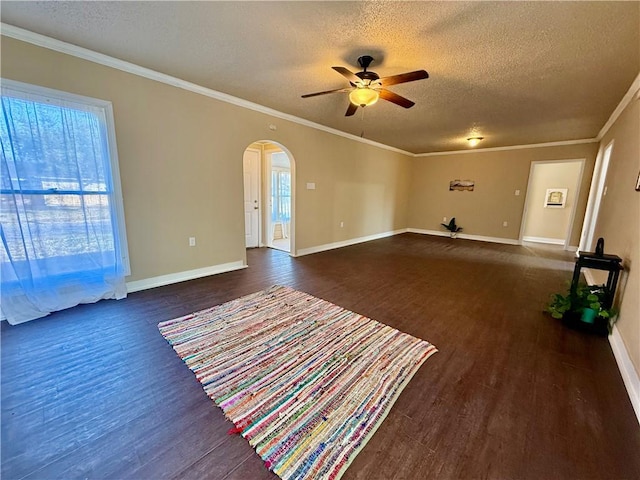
x=555 y=197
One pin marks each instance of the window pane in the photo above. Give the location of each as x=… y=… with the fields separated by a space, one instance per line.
x=53 y=147
x=55 y=186
x=60 y=241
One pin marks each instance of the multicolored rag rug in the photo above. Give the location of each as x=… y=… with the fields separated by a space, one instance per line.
x=306 y=382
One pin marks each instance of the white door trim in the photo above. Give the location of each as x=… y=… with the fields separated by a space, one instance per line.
x=596 y=194
x=257 y=200
x=527 y=199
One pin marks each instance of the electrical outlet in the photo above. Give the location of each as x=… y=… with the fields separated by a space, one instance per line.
x=192 y=241
x=444 y=219
x=341 y=224
x=517 y=192
x=505 y=224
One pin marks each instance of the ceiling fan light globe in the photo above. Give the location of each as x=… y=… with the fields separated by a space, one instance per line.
x=363 y=96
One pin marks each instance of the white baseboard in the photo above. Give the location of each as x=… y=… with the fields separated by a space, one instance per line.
x=481 y=238
x=625 y=365
x=153 y=282
x=550 y=241
x=346 y=243
x=144 y=284
x=627 y=370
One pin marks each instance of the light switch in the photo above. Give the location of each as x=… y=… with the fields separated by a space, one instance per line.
x=311 y=186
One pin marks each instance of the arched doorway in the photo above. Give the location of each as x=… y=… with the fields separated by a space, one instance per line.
x=269 y=190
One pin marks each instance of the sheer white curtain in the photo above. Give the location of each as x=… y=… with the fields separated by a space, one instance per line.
x=61 y=243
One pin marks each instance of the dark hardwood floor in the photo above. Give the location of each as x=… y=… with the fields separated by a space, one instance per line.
x=96 y=392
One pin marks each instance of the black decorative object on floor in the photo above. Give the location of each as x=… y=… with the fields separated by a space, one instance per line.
x=452 y=227
x=589 y=308
x=610 y=263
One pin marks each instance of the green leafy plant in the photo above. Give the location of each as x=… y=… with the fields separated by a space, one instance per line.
x=451 y=226
x=559 y=305
x=593 y=297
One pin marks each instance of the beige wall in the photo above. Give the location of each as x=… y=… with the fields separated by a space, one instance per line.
x=181 y=166
x=619 y=221
x=497 y=175
x=181 y=170
x=548 y=222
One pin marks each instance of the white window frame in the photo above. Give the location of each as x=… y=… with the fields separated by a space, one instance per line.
x=80 y=102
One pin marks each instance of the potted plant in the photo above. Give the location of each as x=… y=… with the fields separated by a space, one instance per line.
x=559 y=305
x=583 y=308
x=452 y=227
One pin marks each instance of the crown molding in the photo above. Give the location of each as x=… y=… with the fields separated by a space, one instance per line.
x=633 y=92
x=511 y=147
x=99 y=58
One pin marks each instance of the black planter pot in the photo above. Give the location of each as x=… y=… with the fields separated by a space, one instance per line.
x=600 y=326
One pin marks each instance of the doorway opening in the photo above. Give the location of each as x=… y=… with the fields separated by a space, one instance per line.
x=551 y=201
x=269 y=188
x=279 y=193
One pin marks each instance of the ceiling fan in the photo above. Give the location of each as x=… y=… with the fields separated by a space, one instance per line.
x=366 y=87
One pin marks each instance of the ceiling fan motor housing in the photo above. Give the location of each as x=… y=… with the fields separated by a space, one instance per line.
x=364 y=61
x=371 y=76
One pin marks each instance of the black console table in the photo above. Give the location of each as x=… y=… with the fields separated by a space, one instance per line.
x=610 y=263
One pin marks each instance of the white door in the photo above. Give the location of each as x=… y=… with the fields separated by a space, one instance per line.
x=251 y=169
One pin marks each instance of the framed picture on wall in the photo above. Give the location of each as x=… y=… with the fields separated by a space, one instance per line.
x=555 y=197
x=462 y=185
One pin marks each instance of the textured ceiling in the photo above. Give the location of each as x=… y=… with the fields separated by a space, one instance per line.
x=513 y=72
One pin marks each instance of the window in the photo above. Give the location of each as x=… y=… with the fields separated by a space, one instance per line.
x=62 y=220
x=280 y=195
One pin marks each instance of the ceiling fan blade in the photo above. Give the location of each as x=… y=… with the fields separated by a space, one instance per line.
x=404 y=78
x=326 y=92
x=395 y=98
x=348 y=74
x=351 y=109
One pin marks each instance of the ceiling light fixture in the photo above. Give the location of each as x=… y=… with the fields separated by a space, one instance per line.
x=473 y=141
x=363 y=96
